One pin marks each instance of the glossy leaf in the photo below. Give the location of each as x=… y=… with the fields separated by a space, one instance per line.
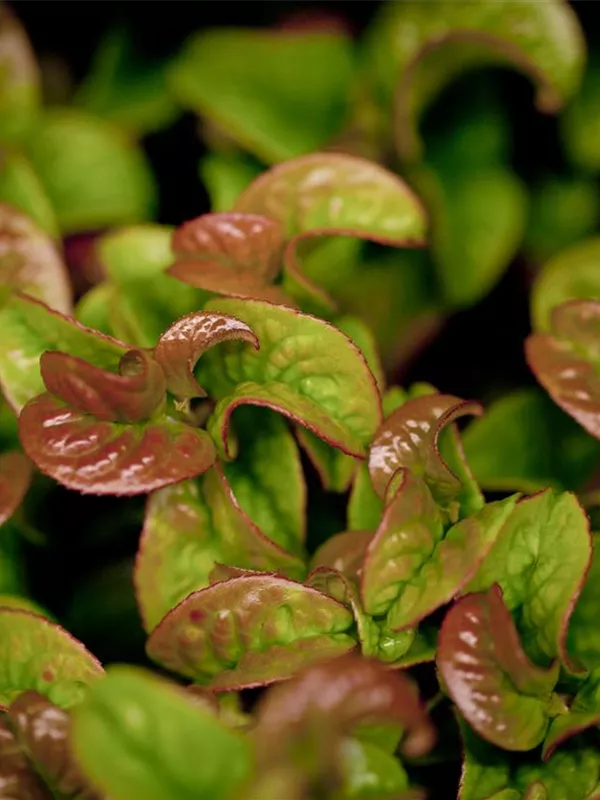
x=276 y=94
x=566 y=361
x=524 y=442
x=30 y=261
x=42 y=730
x=410 y=438
x=100 y=179
x=334 y=194
x=133 y=721
x=584 y=712
x=414 y=53
x=180 y=347
x=20 y=86
x=100 y=457
x=21 y=188
x=249 y=631
x=15 y=476
x=29 y=328
x=411 y=566
x=500 y=693
x=569 y=275
x=583 y=640
x=132 y=394
x=539 y=561
x=39 y=655
x=305 y=369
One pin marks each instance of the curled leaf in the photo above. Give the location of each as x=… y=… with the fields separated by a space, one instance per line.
x=341 y=695
x=99 y=457
x=500 y=693
x=305 y=369
x=184 y=342
x=249 y=631
x=131 y=395
x=39 y=655
x=15 y=475
x=334 y=194
x=410 y=437
x=30 y=260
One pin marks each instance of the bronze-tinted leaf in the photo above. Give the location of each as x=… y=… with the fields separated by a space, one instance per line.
x=182 y=344
x=30 y=260
x=18 y=780
x=410 y=437
x=340 y=695
x=15 y=475
x=249 y=631
x=500 y=693
x=131 y=395
x=567 y=361
x=344 y=552
x=100 y=457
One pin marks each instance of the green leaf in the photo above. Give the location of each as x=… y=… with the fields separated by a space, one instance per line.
x=94 y=309
x=305 y=369
x=24 y=604
x=370 y=772
x=21 y=187
x=569 y=275
x=277 y=94
x=81 y=160
x=500 y=693
x=12 y=562
x=39 y=655
x=509 y=448
x=580 y=126
x=583 y=640
x=485 y=769
x=540 y=560
x=192 y=526
x=570 y=774
x=225 y=176
x=135 y=253
x=412 y=54
x=563 y=211
x=566 y=361
x=126 y=90
x=249 y=631
x=136 y=735
x=411 y=566
x=29 y=328
x=19 y=79
x=584 y=712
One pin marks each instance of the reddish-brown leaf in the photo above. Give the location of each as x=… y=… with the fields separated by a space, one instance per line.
x=15 y=475
x=344 y=552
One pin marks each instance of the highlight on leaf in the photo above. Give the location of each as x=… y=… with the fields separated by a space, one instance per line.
x=498 y=690
x=250 y=631
x=566 y=361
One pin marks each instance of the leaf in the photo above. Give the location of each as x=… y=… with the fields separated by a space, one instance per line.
x=29 y=328
x=565 y=361
x=133 y=394
x=344 y=552
x=190 y=527
x=19 y=79
x=500 y=693
x=42 y=730
x=15 y=477
x=334 y=194
x=94 y=309
x=580 y=124
x=17 y=776
x=371 y=771
x=410 y=438
x=183 y=343
x=23 y=604
x=569 y=275
x=39 y=655
x=30 y=261
x=99 y=457
x=250 y=631
x=413 y=54
x=539 y=561
x=225 y=176
x=233 y=254
x=305 y=369
x=134 y=253
x=584 y=712
x=509 y=447
x=81 y=178
x=276 y=94
x=21 y=188
x=411 y=566
x=583 y=640
x=133 y=721
x=125 y=89
x=13 y=578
